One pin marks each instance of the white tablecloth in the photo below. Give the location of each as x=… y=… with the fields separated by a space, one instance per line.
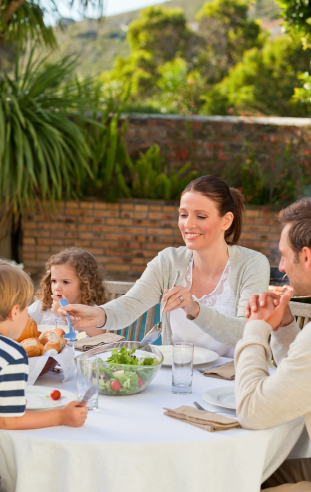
x=129 y=445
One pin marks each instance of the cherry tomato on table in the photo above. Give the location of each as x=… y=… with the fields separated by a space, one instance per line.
x=115 y=385
x=55 y=395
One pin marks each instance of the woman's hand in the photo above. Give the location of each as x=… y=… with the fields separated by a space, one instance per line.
x=179 y=297
x=82 y=316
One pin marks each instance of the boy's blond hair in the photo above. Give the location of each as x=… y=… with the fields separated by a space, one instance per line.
x=15 y=289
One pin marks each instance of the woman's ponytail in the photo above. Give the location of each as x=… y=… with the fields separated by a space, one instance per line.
x=235 y=230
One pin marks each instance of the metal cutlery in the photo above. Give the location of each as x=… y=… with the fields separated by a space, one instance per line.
x=209 y=368
x=199 y=407
x=90 y=392
x=151 y=336
x=174 y=283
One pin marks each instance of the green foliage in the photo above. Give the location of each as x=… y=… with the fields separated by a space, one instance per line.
x=297 y=16
x=179 y=87
x=227 y=32
x=271 y=171
x=42 y=152
x=263 y=83
x=155 y=38
x=151 y=178
x=23 y=21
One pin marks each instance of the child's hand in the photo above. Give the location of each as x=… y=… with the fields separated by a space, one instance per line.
x=56 y=304
x=72 y=415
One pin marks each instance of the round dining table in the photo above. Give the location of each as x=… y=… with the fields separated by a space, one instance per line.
x=129 y=445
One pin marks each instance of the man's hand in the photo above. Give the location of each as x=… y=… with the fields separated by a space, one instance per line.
x=261 y=300
x=270 y=312
x=83 y=316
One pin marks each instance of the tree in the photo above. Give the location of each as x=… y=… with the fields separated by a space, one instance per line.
x=227 y=33
x=23 y=20
x=263 y=82
x=157 y=37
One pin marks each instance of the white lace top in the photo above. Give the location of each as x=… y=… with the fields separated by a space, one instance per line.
x=222 y=299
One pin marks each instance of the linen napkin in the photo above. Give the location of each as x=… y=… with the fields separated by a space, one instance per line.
x=205 y=420
x=227 y=371
x=92 y=342
x=65 y=359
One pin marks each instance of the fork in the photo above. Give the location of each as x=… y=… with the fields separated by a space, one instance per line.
x=199 y=407
x=209 y=368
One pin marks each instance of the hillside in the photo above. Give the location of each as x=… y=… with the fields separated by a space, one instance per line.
x=98 y=43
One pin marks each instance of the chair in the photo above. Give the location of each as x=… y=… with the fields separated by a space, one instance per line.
x=117 y=289
x=302 y=312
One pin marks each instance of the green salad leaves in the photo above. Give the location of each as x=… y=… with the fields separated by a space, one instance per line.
x=126 y=379
x=124 y=356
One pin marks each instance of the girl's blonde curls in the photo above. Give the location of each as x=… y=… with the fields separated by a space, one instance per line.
x=88 y=271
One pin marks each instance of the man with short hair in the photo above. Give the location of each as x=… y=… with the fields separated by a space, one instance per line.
x=265 y=400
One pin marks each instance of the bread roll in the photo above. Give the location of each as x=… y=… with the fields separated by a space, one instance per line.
x=59 y=331
x=30 y=331
x=63 y=343
x=33 y=347
x=49 y=335
x=52 y=346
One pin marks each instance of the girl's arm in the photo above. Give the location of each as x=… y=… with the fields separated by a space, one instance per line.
x=70 y=415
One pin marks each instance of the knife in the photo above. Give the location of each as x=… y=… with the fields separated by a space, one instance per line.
x=90 y=392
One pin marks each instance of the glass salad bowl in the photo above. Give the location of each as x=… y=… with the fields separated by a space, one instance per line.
x=119 y=379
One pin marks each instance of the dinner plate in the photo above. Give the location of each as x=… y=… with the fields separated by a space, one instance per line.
x=38 y=398
x=200 y=355
x=221 y=397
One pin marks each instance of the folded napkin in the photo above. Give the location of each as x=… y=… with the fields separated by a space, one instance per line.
x=227 y=371
x=205 y=420
x=92 y=342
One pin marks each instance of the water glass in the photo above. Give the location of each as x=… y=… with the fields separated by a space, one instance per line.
x=182 y=368
x=87 y=376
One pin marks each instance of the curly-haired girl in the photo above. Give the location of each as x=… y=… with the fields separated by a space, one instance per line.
x=75 y=275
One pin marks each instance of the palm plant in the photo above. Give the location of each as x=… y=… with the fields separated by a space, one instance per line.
x=23 y=20
x=43 y=152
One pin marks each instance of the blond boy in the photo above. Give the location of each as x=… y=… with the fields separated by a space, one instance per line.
x=16 y=291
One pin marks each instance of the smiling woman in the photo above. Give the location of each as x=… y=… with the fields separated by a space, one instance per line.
x=217 y=276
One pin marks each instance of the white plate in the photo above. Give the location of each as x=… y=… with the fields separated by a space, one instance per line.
x=200 y=355
x=221 y=397
x=36 y=397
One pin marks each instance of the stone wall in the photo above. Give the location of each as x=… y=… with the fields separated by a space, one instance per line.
x=212 y=143
x=126 y=235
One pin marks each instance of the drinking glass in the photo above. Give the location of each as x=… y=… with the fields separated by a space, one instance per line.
x=182 y=368
x=87 y=376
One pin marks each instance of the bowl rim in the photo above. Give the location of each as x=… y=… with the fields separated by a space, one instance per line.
x=110 y=346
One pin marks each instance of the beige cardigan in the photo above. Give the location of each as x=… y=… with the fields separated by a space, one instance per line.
x=250 y=273
x=265 y=400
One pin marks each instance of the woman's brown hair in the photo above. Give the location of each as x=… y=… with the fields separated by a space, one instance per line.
x=88 y=271
x=226 y=200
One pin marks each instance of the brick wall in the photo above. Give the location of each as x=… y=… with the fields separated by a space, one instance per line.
x=126 y=235
x=211 y=143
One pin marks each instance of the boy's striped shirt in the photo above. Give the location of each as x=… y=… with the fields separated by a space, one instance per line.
x=13 y=378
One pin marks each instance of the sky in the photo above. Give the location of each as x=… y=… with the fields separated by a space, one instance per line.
x=112 y=7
